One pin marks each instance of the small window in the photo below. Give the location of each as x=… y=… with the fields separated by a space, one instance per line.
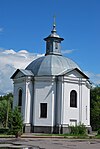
x=56 y=45
x=73 y=99
x=73 y=122
x=47 y=45
x=43 y=110
x=20 y=99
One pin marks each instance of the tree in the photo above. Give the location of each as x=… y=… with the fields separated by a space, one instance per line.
x=95 y=108
x=9 y=118
x=5 y=109
x=16 y=122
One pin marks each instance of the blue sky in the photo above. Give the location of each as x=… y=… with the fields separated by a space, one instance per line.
x=25 y=23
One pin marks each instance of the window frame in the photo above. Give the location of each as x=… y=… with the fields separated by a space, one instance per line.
x=56 y=45
x=20 y=94
x=73 y=99
x=43 y=110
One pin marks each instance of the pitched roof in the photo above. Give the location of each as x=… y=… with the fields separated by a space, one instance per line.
x=25 y=72
x=78 y=70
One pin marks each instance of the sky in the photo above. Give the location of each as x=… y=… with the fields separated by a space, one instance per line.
x=25 y=23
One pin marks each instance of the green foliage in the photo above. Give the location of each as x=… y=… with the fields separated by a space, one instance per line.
x=95 y=108
x=16 y=122
x=78 y=129
x=8 y=118
x=82 y=129
x=4 y=130
x=98 y=132
x=5 y=109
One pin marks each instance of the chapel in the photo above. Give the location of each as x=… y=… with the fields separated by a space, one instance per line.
x=52 y=92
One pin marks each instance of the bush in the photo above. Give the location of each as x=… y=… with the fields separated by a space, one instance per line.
x=78 y=130
x=82 y=129
x=74 y=129
x=16 y=123
x=98 y=132
x=4 y=130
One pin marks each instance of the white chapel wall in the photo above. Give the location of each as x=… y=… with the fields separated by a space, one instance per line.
x=86 y=105
x=20 y=85
x=44 y=92
x=26 y=86
x=70 y=113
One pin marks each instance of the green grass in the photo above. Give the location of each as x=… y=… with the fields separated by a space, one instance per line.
x=6 y=136
x=67 y=136
x=97 y=136
x=63 y=135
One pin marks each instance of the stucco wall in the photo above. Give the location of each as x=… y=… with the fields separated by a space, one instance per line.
x=25 y=84
x=44 y=92
x=68 y=115
x=55 y=91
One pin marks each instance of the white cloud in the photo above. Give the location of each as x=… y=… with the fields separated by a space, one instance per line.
x=9 y=51
x=23 y=51
x=67 y=51
x=9 y=62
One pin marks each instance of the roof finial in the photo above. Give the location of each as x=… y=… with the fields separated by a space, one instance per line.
x=54 y=20
x=54 y=24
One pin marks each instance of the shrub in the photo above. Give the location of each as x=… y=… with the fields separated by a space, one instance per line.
x=4 y=130
x=78 y=130
x=82 y=129
x=74 y=129
x=16 y=123
x=98 y=132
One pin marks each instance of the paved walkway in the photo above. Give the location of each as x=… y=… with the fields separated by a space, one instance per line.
x=50 y=143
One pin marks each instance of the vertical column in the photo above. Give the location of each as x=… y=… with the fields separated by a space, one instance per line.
x=80 y=100
x=28 y=105
x=88 y=108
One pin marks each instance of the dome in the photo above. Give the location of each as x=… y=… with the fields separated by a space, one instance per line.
x=51 y=65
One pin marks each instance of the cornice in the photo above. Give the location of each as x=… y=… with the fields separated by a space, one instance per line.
x=23 y=79
x=45 y=78
x=74 y=80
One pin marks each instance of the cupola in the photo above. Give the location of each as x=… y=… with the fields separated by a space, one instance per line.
x=53 y=42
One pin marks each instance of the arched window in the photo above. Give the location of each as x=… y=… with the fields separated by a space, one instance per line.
x=56 y=45
x=73 y=99
x=20 y=99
